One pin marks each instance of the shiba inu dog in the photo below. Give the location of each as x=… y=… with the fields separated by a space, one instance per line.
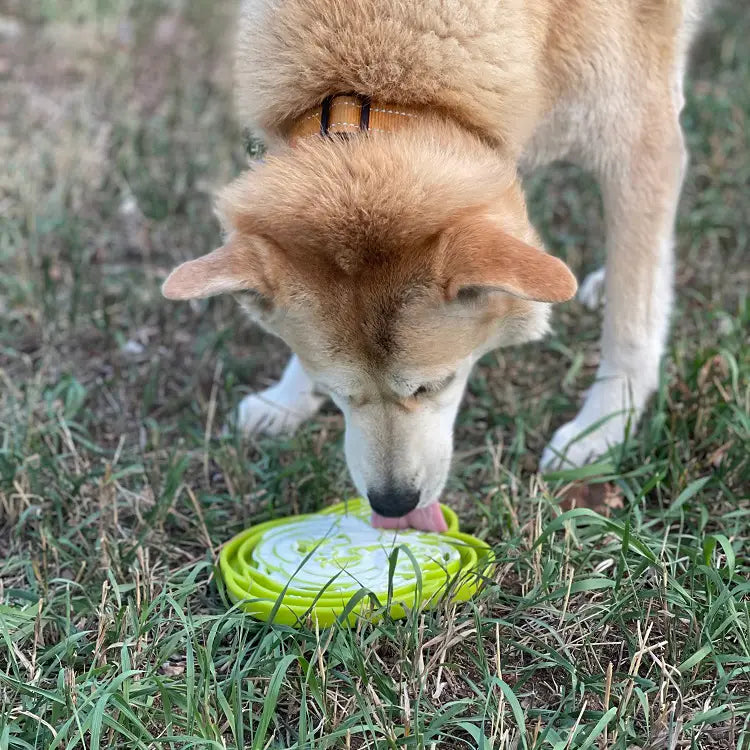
x=385 y=237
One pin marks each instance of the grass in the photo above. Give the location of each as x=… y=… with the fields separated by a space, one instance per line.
x=627 y=629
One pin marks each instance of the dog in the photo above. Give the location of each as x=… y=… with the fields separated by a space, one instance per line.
x=385 y=237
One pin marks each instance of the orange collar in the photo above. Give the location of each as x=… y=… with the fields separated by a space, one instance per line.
x=348 y=114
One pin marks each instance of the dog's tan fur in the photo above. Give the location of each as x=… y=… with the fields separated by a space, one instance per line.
x=401 y=258
x=497 y=67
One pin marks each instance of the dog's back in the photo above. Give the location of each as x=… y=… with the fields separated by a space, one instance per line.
x=498 y=67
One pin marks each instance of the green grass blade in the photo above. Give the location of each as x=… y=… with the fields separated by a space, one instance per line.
x=271 y=698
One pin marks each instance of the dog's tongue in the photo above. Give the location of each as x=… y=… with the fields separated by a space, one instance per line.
x=424 y=519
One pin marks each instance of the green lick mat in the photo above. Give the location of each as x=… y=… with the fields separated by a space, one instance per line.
x=312 y=566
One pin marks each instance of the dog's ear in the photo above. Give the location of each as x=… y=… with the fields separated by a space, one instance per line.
x=235 y=267
x=480 y=256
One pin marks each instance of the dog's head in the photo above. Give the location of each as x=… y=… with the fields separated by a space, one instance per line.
x=389 y=267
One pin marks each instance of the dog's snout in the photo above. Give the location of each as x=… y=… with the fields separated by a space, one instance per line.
x=393 y=502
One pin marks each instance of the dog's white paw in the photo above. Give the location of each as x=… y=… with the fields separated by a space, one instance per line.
x=576 y=444
x=608 y=416
x=591 y=291
x=276 y=411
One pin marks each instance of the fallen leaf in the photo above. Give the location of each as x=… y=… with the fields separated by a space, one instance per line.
x=603 y=497
x=172 y=670
x=717 y=456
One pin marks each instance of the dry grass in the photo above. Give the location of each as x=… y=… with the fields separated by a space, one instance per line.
x=597 y=632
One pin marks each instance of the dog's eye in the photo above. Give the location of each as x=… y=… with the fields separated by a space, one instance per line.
x=433 y=387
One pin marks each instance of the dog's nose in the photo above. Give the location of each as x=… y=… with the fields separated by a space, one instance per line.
x=393 y=502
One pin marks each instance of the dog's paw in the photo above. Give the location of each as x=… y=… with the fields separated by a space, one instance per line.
x=591 y=291
x=605 y=421
x=575 y=444
x=276 y=411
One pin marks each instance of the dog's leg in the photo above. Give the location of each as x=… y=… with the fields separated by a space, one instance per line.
x=641 y=190
x=591 y=291
x=283 y=407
